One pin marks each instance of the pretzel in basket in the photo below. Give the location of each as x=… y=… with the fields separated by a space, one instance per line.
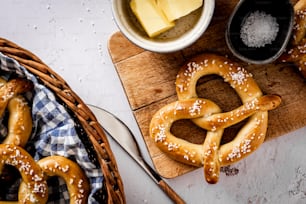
x=11 y=89
x=20 y=120
x=208 y=115
x=36 y=188
x=296 y=51
x=74 y=177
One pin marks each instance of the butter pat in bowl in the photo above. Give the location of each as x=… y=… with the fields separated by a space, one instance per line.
x=163 y=25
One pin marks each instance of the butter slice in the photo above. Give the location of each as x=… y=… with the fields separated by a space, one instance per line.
x=150 y=17
x=175 y=9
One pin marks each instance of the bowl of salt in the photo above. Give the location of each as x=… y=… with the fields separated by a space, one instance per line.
x=258 y=31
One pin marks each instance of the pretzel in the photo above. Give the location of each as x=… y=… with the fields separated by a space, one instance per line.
x=35 y=186
x=76 y=181
x=208 y=115
x=11 y=89
x=296 y=51
x=20 y=120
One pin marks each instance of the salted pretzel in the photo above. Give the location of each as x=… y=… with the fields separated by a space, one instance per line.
x=19 y=123
x=208 y=115
x=296 y=51
x=76 y=180
x=11 y=89
x=35 y=186
x=20 y=120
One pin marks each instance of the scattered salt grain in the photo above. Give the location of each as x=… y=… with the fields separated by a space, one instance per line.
x=259 y=29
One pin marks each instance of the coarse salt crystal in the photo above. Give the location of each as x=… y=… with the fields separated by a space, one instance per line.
x=259 y=29
x=195 y=108
x=161 y=134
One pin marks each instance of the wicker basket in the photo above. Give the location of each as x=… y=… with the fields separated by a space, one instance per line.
x=113 y=191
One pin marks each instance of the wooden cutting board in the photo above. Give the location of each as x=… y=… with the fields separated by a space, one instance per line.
x=148 y=79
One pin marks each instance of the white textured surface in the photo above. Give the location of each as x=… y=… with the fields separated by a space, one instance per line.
x=71 y=37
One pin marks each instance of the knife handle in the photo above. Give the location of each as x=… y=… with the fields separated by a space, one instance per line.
x=170 y=192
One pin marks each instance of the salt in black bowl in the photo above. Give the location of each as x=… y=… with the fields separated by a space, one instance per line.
x=267 y=50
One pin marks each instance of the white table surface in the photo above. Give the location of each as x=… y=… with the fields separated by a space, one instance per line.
x=71 y=36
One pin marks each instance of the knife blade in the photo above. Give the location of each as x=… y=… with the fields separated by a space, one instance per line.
x=125 y=138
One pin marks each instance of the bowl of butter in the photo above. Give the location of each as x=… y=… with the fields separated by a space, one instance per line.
x=163 y=26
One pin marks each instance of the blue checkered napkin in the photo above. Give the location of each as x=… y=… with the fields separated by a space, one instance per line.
x=54 y=133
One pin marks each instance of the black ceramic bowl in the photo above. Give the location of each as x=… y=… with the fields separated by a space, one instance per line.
x=282 y=10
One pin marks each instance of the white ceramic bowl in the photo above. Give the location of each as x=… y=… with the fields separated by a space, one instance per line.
x=186 y=31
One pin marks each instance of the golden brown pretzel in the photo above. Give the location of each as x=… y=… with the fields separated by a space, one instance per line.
x=20 y=120
x=36 y=188
x=76 y=181
x=296 y=51
x=12 y=88
x=72 y=174
x=208 y=115
x=33 y=188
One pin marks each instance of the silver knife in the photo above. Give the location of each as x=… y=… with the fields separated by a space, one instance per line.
x=124 y=137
